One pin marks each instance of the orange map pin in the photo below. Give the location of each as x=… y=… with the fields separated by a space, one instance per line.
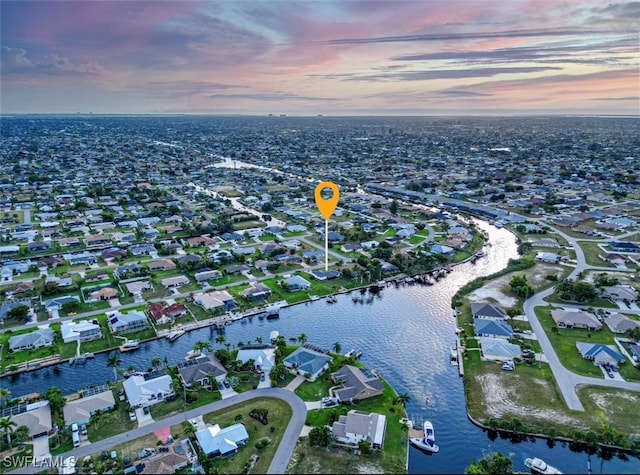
x=327 y=206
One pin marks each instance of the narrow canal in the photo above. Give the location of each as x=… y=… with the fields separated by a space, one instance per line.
x=405 y=333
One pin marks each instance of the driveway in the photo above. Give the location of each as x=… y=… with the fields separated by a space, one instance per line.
x=41 y=448
x=226 y=393
x=280 y=459
x=293 y=385
x=143 y=419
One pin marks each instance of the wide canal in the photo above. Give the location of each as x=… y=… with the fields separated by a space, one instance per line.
x=405 y=333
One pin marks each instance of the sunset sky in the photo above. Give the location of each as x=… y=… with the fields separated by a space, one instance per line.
x=360 y=57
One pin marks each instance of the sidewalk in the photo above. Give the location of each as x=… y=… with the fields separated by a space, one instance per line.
x=297 y=381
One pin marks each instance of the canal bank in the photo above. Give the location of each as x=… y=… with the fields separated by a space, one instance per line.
x=406 y=333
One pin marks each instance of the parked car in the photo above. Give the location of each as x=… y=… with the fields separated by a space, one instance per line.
x=262 y=376
x=132 y=416
x=145 y=409
x=83 y=429
x=610 y=374
x=226 y=384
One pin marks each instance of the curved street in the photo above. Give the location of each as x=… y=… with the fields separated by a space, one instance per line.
x=567 y=381
x=280 y=459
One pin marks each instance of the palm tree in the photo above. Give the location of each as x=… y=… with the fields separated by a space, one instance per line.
x=403 y=399
x=156 y=361
x=302 y=339
x=337 y=347
x=113 y=362
x=131 y=368
x=220 y=339
x=258 y=340
x=201 y=345
x=4 y=396
x=189 y=430
x=7 y=425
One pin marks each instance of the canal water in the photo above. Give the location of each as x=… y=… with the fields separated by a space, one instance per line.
x=405 y=333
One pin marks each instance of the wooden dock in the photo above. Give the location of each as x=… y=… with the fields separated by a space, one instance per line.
x=460 y=360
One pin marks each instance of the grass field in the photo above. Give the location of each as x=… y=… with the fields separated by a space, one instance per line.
x=591 y=252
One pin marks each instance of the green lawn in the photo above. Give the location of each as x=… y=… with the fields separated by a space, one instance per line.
x=591 y=252
x=279 y=414
x=111 y=423
x=165 y=409
x=316 y=390
x=65 y=350
x=245 y=381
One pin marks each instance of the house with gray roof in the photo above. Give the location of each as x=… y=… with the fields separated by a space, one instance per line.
x=31 y=341
x=200 y=369
x=6 y=307
x=257 y=292
x=619 y=323
x=488 y=311
x=359 y=425
x=357 y=384
x=79 y=411
x=619 y=293
x=578 y=319
x=132 y=321
x=296 y=283
x=307 y=362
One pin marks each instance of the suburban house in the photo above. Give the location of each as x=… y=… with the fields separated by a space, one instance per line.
x=488 y=311
x=256 y=293
x=79 y=411
x=6 y=307
x=139 y=286
x=216 y=441
x=492 y=328
x=357 y=384
x=263 y=358
x=36 y=416
x=127 y=322
x=496 y=349
x=148 y=389
x=600 y=354
x=549 y=257
x=161 y=264
x=219 y=299
x=85 y=258
x=325 y=275
x=307 y=362
x=105 y=293
x=200 y=369
x=444 y=250
x=579 y=319
x=176 y=281
x=358 y=425
x=173 y=459
x=205 y=275
x=162 y=314
x=618 y=323
x=620 y=293
x=31 y=341
x=296 y=283
x=83 y=330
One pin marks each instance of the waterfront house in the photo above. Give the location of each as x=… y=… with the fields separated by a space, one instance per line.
x=36 y=416
x=79 y=411
x=357 y=384
x=619 y=323
x=38 y=246
x=492 y=328
x=83 y=330
x=219 y=299
x=216 y=441
x=296 y=283
x=359 y=425
x=444 y=250
x=578 y=319
x=31 y=341
x=600 y=354
x=162 y=314
x=200 y=369
x=497 y=349
x=309 y=363
x=123 y=323
x=147 y=390
x=256 y=293
x=325 y=275
x=488 y=311
x=263 y=358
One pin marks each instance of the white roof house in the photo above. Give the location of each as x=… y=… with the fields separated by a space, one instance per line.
x=217 y=441
x=358 y=425
x=83 y=330
x=497 y=349
x=265 y=358
x=141 y=391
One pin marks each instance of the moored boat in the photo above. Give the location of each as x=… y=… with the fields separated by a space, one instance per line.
x=539 y=466
x=428 y=441
x=175 y=334
x=129 y=345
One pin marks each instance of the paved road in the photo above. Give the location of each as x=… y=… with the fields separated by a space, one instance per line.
x=280 y=459
x=568 y=381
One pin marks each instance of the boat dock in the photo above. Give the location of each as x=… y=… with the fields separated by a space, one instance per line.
x=459 y=350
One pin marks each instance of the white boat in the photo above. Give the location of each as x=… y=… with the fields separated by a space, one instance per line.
x=540 y=466
x=129 y=345
x=428 y=441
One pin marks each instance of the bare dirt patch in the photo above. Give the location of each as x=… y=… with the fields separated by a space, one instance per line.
x=503 y=398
